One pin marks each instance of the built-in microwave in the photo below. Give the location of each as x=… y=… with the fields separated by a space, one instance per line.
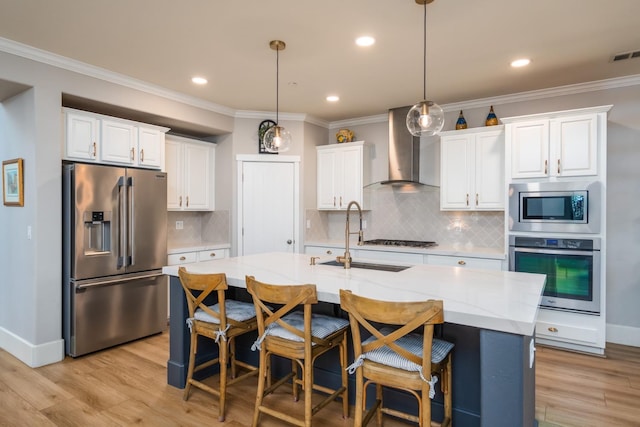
x=559 y=207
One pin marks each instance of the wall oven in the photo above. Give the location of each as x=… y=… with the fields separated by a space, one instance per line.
x=555 y=207
x=572 y=267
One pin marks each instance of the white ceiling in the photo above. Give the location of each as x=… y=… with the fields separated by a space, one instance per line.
x=469 y=47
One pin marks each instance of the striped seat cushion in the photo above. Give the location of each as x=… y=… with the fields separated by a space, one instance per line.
x=321 y=326
x=410 y=342
x=236 y=310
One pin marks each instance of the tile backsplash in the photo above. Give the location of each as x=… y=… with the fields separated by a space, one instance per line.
x=412 y=216
x=198 y=228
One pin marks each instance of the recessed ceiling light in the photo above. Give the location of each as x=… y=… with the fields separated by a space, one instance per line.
x=520 y=62
x=333 y=98
x=365 y=41
x=199 y=80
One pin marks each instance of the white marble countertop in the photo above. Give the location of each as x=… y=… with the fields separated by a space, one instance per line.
x=498 y=300
x=449 y=250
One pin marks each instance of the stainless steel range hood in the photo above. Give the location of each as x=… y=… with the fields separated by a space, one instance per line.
x=405 y=159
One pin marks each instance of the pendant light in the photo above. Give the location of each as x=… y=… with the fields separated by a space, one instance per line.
x=426 y=118
x=277 y=139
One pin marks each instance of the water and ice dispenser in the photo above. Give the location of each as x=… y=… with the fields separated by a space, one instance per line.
x=97 y=232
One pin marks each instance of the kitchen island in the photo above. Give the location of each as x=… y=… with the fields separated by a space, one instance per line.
x=490 y=317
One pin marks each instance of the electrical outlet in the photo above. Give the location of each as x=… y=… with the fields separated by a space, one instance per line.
x=179 y=225
x=308 y=223
x=364 y=224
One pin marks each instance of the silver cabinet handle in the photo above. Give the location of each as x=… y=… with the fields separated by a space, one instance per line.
x=212 y=254
x=462 y=262
x=182 y=258
x=289 y=242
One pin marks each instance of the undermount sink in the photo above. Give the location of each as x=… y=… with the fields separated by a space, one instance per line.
x=369 y=266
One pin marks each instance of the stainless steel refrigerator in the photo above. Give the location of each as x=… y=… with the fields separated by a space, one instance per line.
x=114 y=236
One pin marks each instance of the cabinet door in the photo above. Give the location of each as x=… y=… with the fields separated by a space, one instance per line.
x=489 y=171
x=575 y=140
x=175 y=175
x=530 y=149
x=198 y=171
x=457 y=168
x=150 y=147
x=326 y=179
x=119 y=140
x=351 y=166
x=81 y=136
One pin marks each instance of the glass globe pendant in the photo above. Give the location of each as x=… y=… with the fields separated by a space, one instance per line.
x=277 y=139
x=425 y=118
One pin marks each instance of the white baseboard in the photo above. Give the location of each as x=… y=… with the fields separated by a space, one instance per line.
x=30 y=354
x=625 y=335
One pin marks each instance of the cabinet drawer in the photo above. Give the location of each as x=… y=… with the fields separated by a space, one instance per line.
x=480 y=263
x=182 y=258
x=390 y=256
x=562 y=332
x=211 y=255
x=320 y=250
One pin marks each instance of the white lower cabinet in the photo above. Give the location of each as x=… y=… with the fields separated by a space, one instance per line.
x=574 y=331
x=192 y=257
x=468 y=262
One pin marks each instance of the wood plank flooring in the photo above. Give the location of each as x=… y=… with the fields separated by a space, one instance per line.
x=126 y=386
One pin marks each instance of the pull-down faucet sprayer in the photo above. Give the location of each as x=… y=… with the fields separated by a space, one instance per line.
x=346 y=258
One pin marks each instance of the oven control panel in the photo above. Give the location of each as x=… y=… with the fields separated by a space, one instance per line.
x=554 y=243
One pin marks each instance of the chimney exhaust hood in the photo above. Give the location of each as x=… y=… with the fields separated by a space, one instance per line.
x=404 y=156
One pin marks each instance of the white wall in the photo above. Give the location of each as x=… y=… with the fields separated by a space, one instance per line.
x=30 y=289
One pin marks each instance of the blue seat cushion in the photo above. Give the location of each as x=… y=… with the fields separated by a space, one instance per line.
x=321 y=326
x=410 y=342
x=236 y=310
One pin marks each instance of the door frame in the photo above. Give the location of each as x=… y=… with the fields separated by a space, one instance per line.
x=256 y=158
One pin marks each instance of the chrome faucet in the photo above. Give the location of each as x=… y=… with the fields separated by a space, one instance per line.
x=346 y=258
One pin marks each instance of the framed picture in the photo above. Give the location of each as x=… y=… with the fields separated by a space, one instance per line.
x=12 y=183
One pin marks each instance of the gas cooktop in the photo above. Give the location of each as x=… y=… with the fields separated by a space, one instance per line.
x=410 y=243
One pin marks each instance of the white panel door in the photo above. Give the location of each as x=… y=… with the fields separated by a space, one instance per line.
x=268 y=205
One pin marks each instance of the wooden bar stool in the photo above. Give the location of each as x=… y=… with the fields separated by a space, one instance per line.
x=299 y=336
x=396 y=357
x=221 y=322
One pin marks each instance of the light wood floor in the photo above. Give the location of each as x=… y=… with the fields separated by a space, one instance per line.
x=126 y=386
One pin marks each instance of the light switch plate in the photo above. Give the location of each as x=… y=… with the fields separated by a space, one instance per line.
x=179 y=225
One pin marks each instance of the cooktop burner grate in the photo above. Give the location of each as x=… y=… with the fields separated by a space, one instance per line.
x=410 y=243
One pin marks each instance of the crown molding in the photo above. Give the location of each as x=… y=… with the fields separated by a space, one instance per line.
x=42 y=56
x=39 y=55
x=614 y=83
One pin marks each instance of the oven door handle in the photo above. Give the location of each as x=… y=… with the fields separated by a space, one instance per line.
x=554 y=251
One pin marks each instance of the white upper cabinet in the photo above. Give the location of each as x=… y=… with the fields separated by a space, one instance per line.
x=472 y=169
x=190 y=174
x=151 y=146
x=81 y=136
x=109 y=140
x=342 y=170
x=556 y=145
x=120 y=140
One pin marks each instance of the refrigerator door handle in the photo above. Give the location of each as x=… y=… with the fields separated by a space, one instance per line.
x=82 y=288
x=132 y=230
x=122 y=232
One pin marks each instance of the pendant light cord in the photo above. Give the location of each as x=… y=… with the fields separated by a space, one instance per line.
x=424 y=70
x=277 y=82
